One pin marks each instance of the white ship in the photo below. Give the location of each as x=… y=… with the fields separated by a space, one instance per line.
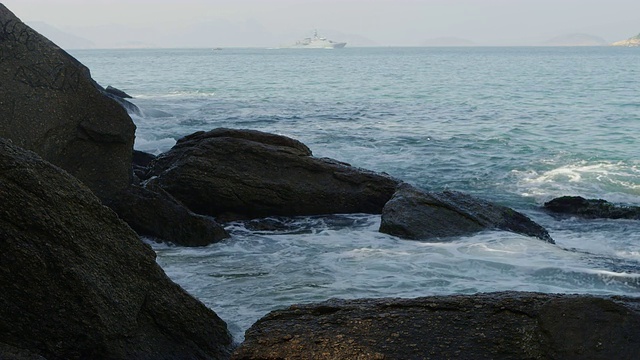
x=317 y=42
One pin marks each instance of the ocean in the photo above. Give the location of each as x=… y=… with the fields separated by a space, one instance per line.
x=514 y=125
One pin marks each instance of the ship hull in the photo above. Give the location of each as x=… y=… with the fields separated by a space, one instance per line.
x=319 y=46
x=318 y=42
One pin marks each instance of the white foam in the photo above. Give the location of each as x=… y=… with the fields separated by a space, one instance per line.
x=250 y=274
x=617 y=181
x=153 y=146
x=428 y=133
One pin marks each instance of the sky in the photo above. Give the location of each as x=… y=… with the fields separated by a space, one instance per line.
x=272 y=23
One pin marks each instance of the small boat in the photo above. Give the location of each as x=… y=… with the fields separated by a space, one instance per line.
x=317 y=42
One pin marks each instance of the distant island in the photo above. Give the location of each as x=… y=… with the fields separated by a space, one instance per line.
x=630 y=42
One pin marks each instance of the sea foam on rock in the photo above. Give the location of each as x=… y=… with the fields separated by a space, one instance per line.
x=236 y=174
x=77 y=283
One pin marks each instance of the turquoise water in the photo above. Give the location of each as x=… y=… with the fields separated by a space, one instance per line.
x=518 y=126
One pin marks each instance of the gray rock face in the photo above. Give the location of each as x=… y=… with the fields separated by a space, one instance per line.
x=509 y=325
x=591 y=208
x=77 y=283
x=249 y=174
x=49 y=104
x=419 y=215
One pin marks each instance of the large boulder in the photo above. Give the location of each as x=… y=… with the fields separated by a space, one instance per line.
x=49 y=104
x=249 y=174
x=509 y=325
x=420 y=215
x=77 y=283
x=591 y=208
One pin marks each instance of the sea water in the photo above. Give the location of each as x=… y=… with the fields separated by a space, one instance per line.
x=517 y=126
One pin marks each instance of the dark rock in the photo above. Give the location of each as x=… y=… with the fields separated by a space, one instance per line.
x=130 y=107
x=77 y=283
x=49 y=104
x=8 y=352
x=142 y=159
x=508 y=325
x=140 y=162
x=249 y=174
x=117 y=92
x=591 y=208
x=419 y=215
x=153 y=212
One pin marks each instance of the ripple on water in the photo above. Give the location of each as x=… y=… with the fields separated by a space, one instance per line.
x=251 y=274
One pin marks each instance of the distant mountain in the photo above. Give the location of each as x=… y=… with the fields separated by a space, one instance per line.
x=448 y=41
x=631 y=42
x=576 y=40
x=59 y=37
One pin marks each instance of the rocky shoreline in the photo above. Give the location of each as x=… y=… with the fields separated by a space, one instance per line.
x=77 y=282
x=633 y=41
x=506 y=325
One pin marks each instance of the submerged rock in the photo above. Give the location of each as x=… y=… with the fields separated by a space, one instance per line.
x=77 y=283
x=419 y=215
x=250 y=174
x=591 y=208
x=507 y=325
x=50 y=104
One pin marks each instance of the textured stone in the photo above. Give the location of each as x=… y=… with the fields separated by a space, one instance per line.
x=77 y=283
x=420 y=215
x=591 y=208
x=50 y=104
x=151 y=211
x=508 y=325
x=249 y=174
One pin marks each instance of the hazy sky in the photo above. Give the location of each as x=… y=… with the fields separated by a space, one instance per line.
x=171 y=23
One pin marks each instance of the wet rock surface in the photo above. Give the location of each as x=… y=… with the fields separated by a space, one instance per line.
x=140 y=162
x=591 y=208
x=77 y=283
x=420 y=215
x=507 y=325
x=121 y=97
x=151 y=211
x=50 y=104
x=236 y=174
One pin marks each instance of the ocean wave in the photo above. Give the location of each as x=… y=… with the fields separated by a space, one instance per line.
x=614 y=181
x=520 y=138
